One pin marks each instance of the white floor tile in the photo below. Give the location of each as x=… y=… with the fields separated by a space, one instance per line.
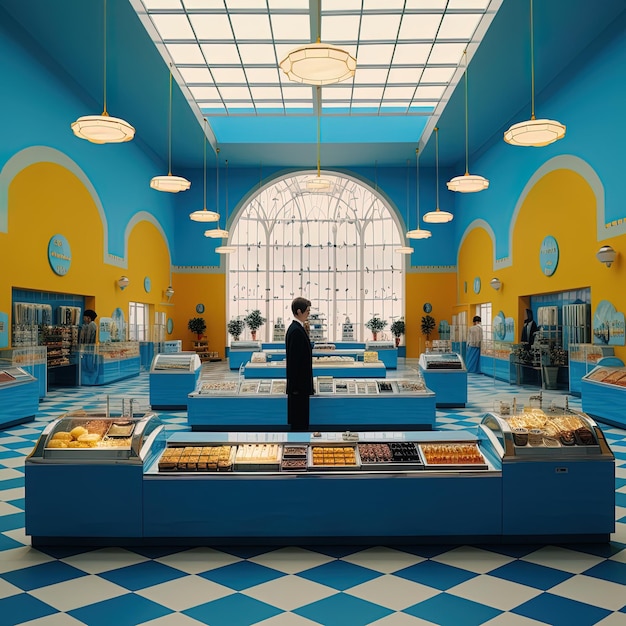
x=393 y=592
x=473 y=559
x=401 y=619
x=602 y=593
x=286 y=619
x=620 y=472
x=98 y=561
x=185 y=593
x=18 y=558
x=198 y=560
x=619 y=556
x=511 y=619
x=381 y=559
x=614 y=619
x=173 y=619
x=57 y=619
x=6 y=495
x=291 y=560
x=561 y=558
x=289 y=592
x=7 y=589
x=8 y=509
x=17 y=534
x=78 y=592
x=491 y=591
x=8 y=473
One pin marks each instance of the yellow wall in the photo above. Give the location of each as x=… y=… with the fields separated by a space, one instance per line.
x=439 y=290
x=45 y=199
x=561 y=204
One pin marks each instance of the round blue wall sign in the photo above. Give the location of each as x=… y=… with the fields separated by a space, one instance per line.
x=147 y=284
x=477 y=284
x=549 y=255
x=170 y=325
x=59 y=255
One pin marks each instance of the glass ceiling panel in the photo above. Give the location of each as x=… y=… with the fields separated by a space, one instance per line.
x=407 y=51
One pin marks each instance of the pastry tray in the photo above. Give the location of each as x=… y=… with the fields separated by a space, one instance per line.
x=222 y=388
x=452 y=466
x=177 y=470
x=260 y=465
x=294 y=451
x=399 y=465
x=333 y=468
x=300 y=461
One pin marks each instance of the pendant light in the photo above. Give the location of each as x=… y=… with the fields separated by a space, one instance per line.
x=418 y=233
x=534 y=132
x=318 y=184
x=405 y=250
x=169 y=183
x=318 y=63
x=217 y=232
x=103 y=128
x=204 y=215
x=437 y=216
x=468 y=183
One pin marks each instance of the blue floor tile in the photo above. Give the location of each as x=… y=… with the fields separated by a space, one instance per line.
x=246 y=552
x=6 y=543
x=447 y=610
x=435 y=575
x=609 y=570
x=142 y=575
x=13 y=483
x=127 y=610
x=531 y=575
x=21 y=608
x=620 y=499
x=339 y=575
x=558 y=611
x=37 y=576
x=233 y=610
x=11 y=521
x=20 y=503
x=242 y=575
x=342 y=610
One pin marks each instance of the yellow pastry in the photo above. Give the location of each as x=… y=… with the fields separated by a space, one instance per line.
x=90 y=439
x=78 y=431
x=63 y=436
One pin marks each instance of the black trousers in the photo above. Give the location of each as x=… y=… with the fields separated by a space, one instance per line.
x=298 y=411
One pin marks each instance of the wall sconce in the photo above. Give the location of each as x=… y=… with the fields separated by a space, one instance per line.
x=123 y=282
x=496 y=283
x=606 y=255
x=169 y=292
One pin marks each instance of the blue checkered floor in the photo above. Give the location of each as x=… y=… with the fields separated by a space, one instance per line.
x=572 y=585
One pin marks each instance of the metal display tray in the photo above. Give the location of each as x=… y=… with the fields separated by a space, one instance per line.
x=259 y=465
x=452 y=466
x=400 y=465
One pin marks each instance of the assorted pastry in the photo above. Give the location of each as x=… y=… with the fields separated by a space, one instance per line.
x=95 y=433
x=197 y=459
x=534 y=428
x=452 y=454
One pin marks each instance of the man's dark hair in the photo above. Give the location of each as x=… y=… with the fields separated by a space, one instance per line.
x=91 y=314
x=476 y=318
x=300 y=304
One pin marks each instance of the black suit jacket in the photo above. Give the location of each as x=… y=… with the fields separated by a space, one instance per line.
x=299 y=357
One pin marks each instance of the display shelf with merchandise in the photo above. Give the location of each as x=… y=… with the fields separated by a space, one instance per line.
x=321 y=367
x=603 y=391
x=240 y=352
x=104 y=363
x=172 y=378
x=446 y=375
x=365 y=404
x=387 y=352
x=582 y=358
x=201 y=348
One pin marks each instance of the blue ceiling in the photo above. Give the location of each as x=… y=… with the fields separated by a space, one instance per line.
x=68 y=37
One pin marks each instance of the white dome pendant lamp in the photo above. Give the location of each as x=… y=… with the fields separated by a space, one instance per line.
x=217 y=232
x=170 y=183
x=468 y=183
x=204 y=215
x=534 y=132
x=103 y=128
x=418 y=233
x=437 y=216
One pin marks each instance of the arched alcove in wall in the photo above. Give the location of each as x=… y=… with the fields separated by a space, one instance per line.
x=337 y=248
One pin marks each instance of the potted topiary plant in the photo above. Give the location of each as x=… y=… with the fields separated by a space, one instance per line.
x=397 y=329
x=235 y=328
x=376 y=325
x=197 y=325
x=254 y=320
x=427 y=326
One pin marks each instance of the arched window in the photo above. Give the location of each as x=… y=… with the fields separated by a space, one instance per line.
x=335 y=248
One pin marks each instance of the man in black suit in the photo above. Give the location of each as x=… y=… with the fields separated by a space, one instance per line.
x=299 y=357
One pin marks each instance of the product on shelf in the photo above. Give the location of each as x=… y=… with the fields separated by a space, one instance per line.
x=332 y=457
x=94 y=433
x=258 y=457
x=452 y=454
x=279 y=386
x=411 y=386
x=219 y=387
x=197 y=459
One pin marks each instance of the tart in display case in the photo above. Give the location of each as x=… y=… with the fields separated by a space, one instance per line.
x=333 y=456
x=452 y=455
x=255 y=457
x=205 y=458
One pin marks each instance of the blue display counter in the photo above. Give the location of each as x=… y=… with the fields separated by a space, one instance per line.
x=172 y=378
x=449 y=385
x=458 y=503
x=100 y=371
x=601 y=394
x=336 y=369
x=19 y=396
x=387 y=352
x=500 y=369
x=406 y=411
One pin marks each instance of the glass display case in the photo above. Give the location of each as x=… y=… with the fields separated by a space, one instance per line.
x=443 y=361
x=80 y=436
x=183 y=362
x=10 y=376
x=556 y=433
x=583 y=357
x=103 y=363
x=439 y=346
